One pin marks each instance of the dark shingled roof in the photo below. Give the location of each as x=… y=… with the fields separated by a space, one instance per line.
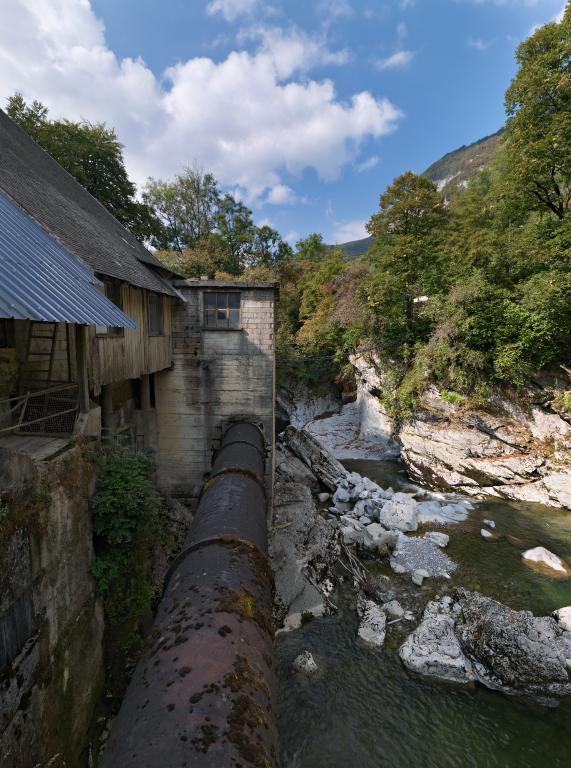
x=59 y=203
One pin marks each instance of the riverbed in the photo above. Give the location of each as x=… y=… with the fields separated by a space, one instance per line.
x=365 y=710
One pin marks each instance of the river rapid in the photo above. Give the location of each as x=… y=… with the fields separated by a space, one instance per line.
x=364 y=710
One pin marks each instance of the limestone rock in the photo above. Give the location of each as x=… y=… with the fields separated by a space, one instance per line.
x=563 y=617
x=362 y=429
x=485 y=534
x=303 y=548
x=474 y=637
x=489 y=523
x=434 y=650
x=378 y=538
x=436 y=537
x=513 y=651
x=400 y=513
x=323 y=465
x=500 y=455
x=305 y=664
x=372 y=628
x=393 y=609
x=419 y=575
x=290 y=468
x=542 y=556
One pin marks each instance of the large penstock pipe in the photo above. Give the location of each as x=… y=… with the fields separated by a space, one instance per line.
x=203 y=694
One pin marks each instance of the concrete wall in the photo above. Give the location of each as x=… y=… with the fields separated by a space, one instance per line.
x=218 y=376
x=49 y=690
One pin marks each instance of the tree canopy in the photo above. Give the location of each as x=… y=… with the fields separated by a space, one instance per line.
x=93 y=154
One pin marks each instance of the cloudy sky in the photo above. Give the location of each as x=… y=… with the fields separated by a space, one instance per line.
x=307 y=110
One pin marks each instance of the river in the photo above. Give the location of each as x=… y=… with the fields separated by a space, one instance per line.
x=364 y=710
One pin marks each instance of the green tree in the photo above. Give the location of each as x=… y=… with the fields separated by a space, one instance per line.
x=93 y=154
x=235 y=225
x=312 y=248
x=186 y=206
x=538 y=104
x=268 y=248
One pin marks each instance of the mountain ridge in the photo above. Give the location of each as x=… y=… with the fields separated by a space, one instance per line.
x=451 y=174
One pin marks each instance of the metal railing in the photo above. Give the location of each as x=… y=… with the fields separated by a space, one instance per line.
x=52 y=410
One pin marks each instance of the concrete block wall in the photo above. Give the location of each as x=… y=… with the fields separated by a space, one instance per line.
x=218 y=376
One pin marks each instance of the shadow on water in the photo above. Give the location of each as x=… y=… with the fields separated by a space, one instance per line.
x=365 y=710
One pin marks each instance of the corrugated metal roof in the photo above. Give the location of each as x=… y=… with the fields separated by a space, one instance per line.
x=41 y=280
x=39 y=184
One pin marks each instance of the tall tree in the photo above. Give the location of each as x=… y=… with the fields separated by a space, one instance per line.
x=235 y=224
x=186 y=207
x=93 y=154
x=268 y=248
x=538 y=104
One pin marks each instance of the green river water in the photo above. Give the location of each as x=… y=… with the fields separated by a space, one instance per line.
x=364 y=710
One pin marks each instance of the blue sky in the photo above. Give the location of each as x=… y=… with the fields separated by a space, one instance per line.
x=307 y=110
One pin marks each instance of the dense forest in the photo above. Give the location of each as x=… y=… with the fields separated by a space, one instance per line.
x=470 y=294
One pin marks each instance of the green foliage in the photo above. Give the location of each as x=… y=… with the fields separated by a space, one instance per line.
x=4 y=511
x=91 y=153
x=453 y=398
x=538 y=135
x=125 y=506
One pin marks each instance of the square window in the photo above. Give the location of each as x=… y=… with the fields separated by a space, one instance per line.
x=221 y=310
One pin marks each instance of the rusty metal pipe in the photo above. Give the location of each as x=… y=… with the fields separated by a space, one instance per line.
x=203 y=694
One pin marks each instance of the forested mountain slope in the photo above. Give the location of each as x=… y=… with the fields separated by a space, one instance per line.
x=451 y=174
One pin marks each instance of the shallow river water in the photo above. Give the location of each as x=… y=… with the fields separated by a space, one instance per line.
x=364 y=710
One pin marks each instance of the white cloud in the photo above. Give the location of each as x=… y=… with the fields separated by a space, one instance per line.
x=478 y=43
x=396 y=61
x=281 y=195
x=349 y=231
x=250 y=118
x=292 y=237
x=231 y=9
x=334 y=8
x=369 y=163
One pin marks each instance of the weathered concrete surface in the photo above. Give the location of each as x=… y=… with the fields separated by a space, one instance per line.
x=217 y=377
x=512 y=455
x=48 y=692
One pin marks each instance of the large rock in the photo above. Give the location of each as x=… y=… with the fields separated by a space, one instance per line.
x=322 y=464
x=290 y=468
x=480 y=454
x=303 y=548
x=513 y=651
x=372 y=628
x=400 y=513
x=434 y=650
x=474 y=637
x=540 y=556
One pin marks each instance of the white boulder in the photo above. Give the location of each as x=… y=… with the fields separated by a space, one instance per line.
x=419 y=575
x=485 y=534
x=440 y=539
x=563 y=616
x=305 y=664
x=372 y=628
x=400 y=513
x=542 y=556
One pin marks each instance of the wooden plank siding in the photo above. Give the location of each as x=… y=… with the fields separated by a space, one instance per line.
x=135 y=353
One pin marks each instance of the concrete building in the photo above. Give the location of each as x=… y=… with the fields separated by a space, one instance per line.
x=223 y=371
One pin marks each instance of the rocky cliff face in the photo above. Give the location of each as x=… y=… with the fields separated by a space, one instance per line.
x=509 y=453
x=504 y=452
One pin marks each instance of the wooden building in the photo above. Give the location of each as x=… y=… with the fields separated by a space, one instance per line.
x=51 y=338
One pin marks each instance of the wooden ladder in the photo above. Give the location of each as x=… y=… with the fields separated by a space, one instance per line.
x=36 y=372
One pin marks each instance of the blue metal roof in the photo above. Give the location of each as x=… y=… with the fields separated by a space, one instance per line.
x=41 y=280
